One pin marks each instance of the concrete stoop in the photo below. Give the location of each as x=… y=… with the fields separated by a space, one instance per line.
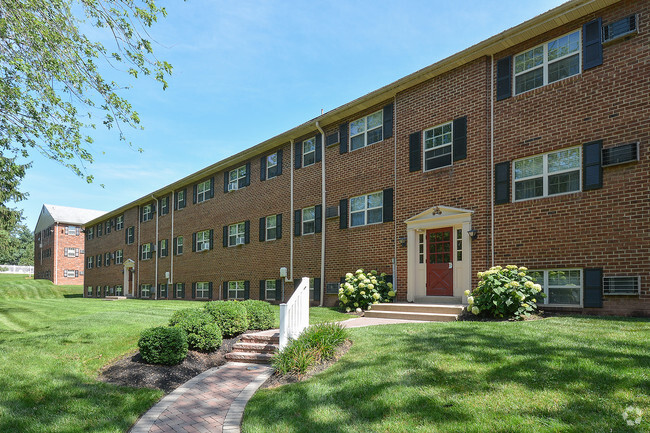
x=424 y=312
x=256 y=348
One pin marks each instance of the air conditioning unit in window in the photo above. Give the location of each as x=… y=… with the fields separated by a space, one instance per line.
x=619 y=29
x=240 y=241
x=621 y=285
x=232 y=186
x=620 y=154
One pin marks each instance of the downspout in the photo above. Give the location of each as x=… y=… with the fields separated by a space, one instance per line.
x=323 y=208
x=395 y=194
x=137 y=254
x=492 y=159
x=56 y=254
x=171 y=256
x=292 y=152
x=155 y=296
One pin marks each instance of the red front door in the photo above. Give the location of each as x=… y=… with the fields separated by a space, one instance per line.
x=440 y=274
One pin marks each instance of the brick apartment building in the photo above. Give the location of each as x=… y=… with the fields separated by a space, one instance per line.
x=529 y=148
x=59 y=243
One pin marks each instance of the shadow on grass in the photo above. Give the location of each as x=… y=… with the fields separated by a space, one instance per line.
x=74 y=295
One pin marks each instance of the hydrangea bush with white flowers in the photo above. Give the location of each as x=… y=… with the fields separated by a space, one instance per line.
x=362 y=289
x=504 y=293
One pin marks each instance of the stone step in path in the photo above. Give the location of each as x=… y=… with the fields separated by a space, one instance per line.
x=256 y=348
x=419 y=312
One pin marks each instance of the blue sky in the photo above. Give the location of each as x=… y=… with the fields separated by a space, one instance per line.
x=246 y=71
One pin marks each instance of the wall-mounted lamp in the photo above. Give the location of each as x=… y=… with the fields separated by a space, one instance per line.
x=402 y=241
x=473 y=234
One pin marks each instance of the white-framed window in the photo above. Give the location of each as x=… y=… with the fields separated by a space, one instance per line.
x=309 y=220
x=130 y=235
x=237 y=178
x=366 y=209
x=98 y=291
x=367 y=130
x=71 y=252
x=69 y=273
x=108 y=226
x=547 y=63
x=72 y=230
x=269 y=289
x=163 y=248
x=236 y=290
x=98 y=260
x=118 y=290
x=164 y=205
x=309 y=151
x=271 y=227
x=548 y=174
x=202 y=290
x=179 y=245
x=145 y=251
x=89 y=290
x=107 y=259
x=272 y=165
x=203 y=240
x=236 y=234
x=119 y=222
x=202 y=191
x=180 y=290
x=421 y=248
x=561 y=286
x=118 y=257
x=99 y=228
x=90 y=233
x=89 y=262
x=145 y=290
x=147 y=212
x=180 y=199
x=438 y=146
x=459 y=245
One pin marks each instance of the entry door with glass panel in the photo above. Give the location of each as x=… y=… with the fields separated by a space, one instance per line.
x=440 y=272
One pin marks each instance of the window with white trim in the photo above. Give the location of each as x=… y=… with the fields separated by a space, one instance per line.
x=118 y=257
x=98 y=291
x=145 y=251
x=202 y=191
x=421 y=248
x=90 y=233
x=164 y=205
x=145 y=290
x=236 y=234
x=179 y=245
x=99 y=228
x=107 y=259
x=269 y=289
x=118 y=290
x=147 y=212
x=309 y=220
x=108 y=226
x=203 y=240
x=237 y=178
x=180 y=288
x=366 y=209
x=561 y=286
x=202 y=290
x=180 y=199
x=72 y=231
x=272 y=165
x=271 y=227
x=89 y=290
x=309 y=151
x=71 y=252
x=130 y=235
x=438 y=146
x=367 y=130
x=236 y=290
x=547 y=63
x=548 y=174
x=89 y=262
x=163 y=248
x=119 y=222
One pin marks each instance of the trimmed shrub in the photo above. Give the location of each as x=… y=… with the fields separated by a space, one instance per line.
x=259 y=314
x=318 y=342
x=203 y=334
x=361 y=290
x=504 y=293
x=230 y=316
x=163 y=345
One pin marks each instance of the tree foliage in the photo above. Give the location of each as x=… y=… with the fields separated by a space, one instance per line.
x=17 y=246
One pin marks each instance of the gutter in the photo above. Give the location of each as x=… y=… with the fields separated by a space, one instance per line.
x=323 y=220
x=157 y=212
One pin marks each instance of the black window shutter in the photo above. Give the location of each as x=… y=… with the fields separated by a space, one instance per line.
x=224 y=292
x=210 y=290
x=504 y=78
x=343 y=211
x=183 y=290
x=193 y=242
x=212 y=187
x=279 y=166
x=159 y=249
x=343 y=138
x=263 y=168
x=415 y=151
x=174 y=245
x=184 y=201
x=160 y=208
x=278 y=226
x=319 y=147
x=262 y=229
x=388 y=121
x=262 y=289
x=193 y=290
x=247 y=179
x=318 y=218
x=141 y=214
x=592 y=47
x=247 y=232
x=126 y=235
x=593 y=288
x=211 y=238
x=460 y=138
x=317 y=287
x=225 y=236
x=278 y=290
x=175 y=197
x=247 y=289
x=297 y=224
x=194 y=194
x=225 y=181
x=592 y=171
x=298 y=154
x=502 y=183
x=388 y=205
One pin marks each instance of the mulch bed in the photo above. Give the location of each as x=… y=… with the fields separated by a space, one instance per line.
x=277 y=379
x=466 y=316
x=132 y=371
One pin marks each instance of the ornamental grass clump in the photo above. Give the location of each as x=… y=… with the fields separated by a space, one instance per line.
x=362 y=290
x=504 y=293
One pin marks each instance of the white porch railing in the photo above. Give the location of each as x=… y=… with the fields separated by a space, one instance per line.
x=294 y=314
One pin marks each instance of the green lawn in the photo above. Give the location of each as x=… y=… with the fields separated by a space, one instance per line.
x=563 y=374
x=51 y=350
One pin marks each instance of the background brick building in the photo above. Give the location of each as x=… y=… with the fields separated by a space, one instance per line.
x=527 y=148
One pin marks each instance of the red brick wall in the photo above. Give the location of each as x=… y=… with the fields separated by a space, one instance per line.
x=53 y=267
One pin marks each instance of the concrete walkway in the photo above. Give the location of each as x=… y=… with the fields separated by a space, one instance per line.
x=214 y=401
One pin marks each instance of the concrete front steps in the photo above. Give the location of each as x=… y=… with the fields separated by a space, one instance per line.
x=424 y=312
x=257 y=348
